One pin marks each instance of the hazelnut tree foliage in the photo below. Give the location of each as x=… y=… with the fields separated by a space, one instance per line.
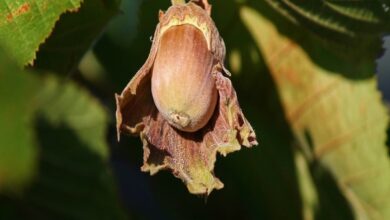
x=304 y=74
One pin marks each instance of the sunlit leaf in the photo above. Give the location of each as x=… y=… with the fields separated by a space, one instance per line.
x=25 y=24
x=63 y=103
x=340 y=123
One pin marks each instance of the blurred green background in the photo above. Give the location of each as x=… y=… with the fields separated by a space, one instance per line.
x=321 y=121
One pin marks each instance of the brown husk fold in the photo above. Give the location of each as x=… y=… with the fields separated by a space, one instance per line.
x=190 y=156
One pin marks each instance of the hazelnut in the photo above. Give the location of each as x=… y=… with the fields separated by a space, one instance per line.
x=183 y=88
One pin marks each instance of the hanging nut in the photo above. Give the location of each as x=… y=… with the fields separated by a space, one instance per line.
x=182 y=85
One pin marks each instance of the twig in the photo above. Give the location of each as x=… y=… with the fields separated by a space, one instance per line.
x=176 y=2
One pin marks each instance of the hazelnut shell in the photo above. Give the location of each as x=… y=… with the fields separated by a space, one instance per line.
x=183 y=88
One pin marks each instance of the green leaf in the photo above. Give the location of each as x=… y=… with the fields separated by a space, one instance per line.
x=68 y=128
x=25 y=24
x=345 y=18
x=339 y=123
x=74 y=34
x=352 y=30
x=63 y=103
x=17 y=145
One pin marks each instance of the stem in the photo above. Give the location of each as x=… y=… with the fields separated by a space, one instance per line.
x=176 y=2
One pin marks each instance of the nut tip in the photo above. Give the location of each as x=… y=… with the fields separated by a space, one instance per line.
x=179 y=119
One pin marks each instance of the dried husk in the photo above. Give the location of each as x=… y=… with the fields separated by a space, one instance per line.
x=189 y=155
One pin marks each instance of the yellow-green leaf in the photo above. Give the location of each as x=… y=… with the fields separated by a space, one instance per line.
x=18 y=151
x=340 y=123
x=53 y=150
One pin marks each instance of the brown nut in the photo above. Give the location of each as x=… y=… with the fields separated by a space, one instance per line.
x=183 y=88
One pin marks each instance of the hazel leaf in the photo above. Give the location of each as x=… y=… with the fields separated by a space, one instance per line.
x=53 y=152
x=18 y=150
x=340 y=123
x=19 y=22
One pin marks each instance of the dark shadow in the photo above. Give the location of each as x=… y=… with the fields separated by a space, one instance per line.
x=333 y=205
x=134 y=186
x=72 y=182
x=352 y=57
x=73 y=35
x=156 y=156
x=123 y=62
x=263 y=177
